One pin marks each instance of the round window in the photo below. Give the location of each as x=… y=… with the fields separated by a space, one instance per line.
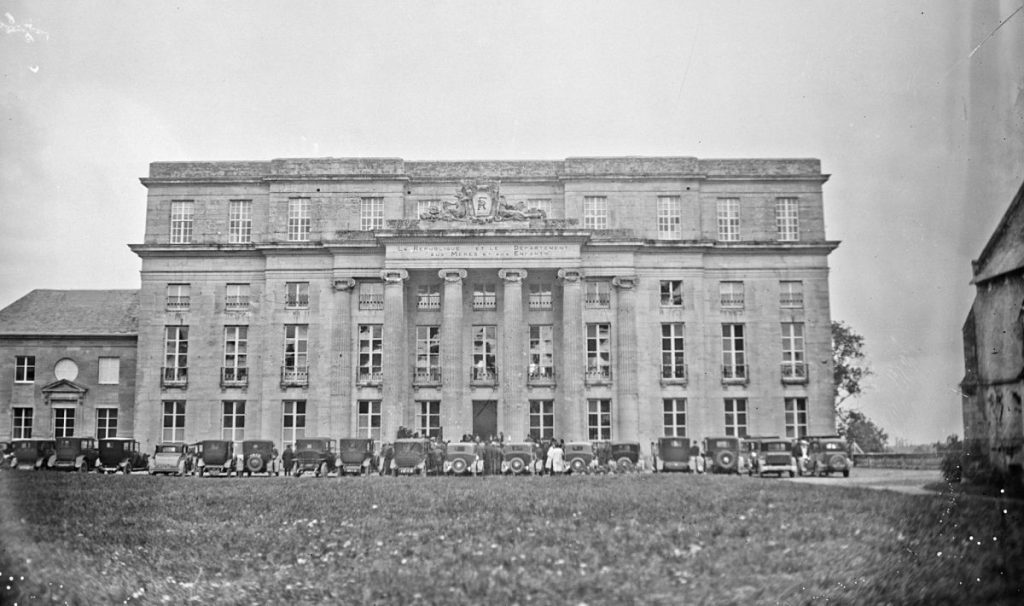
x=66 y=369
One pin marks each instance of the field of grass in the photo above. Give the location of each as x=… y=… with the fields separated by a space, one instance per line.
x=658 y=539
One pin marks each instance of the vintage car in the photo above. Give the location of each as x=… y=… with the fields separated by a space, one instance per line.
x=216 y=457
x=579 y=457
x=355 y=456
x=314 y=455
x=521 y=458
x=121 y=455
x=673 y=454
x=193 y=452
x=259 y=456
x=410 y=456
x=626 y=456
x=776 y=456
x=829 y=455
x=32 y=454
x=169 y=458
x=463 y=458
x=726 y=454
x=75 y=454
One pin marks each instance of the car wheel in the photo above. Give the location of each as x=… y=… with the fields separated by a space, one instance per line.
x=84 y=467
x=577 y=466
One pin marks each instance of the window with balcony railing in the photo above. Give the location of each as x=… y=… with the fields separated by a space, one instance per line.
x=794 y=372
x=236 y=297
x=426 y=376
x=178 y=297
x=232 y=376
x=597 y=294
x=371 y=296
x=599 y=361
x=294 y=376
x=731 y=294
x=483 y=375
x=735 y=373
x=540 y=296
x=734 y=367
x=791 y=294
x=428 y=296
x=484 y=297
x=174 y=377
x=296 y=295
x=540 y=375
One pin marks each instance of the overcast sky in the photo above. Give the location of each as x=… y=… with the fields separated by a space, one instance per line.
x=919 y=126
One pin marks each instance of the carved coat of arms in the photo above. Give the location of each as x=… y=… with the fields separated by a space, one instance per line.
x=480 y=202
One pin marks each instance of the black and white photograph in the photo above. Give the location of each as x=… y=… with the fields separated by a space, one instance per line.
x=511 y=302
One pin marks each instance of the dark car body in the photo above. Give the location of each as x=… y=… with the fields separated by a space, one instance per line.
x=626 y=455
x=579 y=457
x=31 y=453
x=259 y=456
x=830 y=455
x=521 y=458
x=75 y=454
x=726 y=454
x=776 y=456
x=216 y=457
x=7 y=452
x=121 y=455
x=673 y=454
x=169 y=458
x=462 y=458
x=355 y=456
x=410 y=456
x=314 y=455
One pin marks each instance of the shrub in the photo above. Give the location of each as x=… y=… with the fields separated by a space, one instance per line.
x=952 y=470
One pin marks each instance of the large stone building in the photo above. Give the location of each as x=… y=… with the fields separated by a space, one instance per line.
x=590 y=298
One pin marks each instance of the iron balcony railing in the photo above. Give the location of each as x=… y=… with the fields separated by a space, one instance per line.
x=791 y=300
x=540 y=300
x=429 y=302
x=371 y=301
x=234 y=376
x=541 y=375
x=178 y=303
x=174 y=376
x=673 y=372
x=598 y=301
x=294 y=376
x=732 y=300
x=426 y=376
x=598 y=374
x=483 y=376
x=794 y=372
x=734 y=373
x=370 y=377
x=236 y=303
x=487 y=301
x=296 y=301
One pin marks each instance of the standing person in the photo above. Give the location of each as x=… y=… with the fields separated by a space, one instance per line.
x=556 y=458
x=288 y=457
x=696 y=460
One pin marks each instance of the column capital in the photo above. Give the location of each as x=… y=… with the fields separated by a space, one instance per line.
x=570 y=275
x=624 y=282
x=394 y=276
x=452 y=275
x=512 y=275
x=344 y=284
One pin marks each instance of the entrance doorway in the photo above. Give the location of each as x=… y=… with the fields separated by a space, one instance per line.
x=485 y=418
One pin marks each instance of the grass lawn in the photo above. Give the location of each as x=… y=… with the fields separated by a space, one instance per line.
x=659 y=539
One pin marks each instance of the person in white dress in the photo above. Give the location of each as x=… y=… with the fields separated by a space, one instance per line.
x=556 y=458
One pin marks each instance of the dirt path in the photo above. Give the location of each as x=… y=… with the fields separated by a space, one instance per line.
x=907 y=481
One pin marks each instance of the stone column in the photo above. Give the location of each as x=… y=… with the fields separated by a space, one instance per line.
x=396 y=362
x=515 y=421
x=342 y=414
x=570 y=413
x=626 y=411
x=455 y=411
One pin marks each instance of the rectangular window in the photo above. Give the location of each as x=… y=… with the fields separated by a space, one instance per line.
x=371 y=214
x=236 y=346
x=731 y=294
x=541 y=204
x=240 y=222
x=540 y=295
x=736 y=417
x=298 y=220
x=484 y=296
x=175 y=355
x=542 y=419
x=599 y=351
x=368 y=419
x=595 y=212
x=181 y=221
x=179 y=297
x=597 y=294
x=787 y=218
x=296 y=295
x=371 y=295
x=674 y=415
x=673 y=362
x=734 y=364
x=428 y=354
x=233 y=428
x=428 y=296
x=296 y=352
x=671 y=293
x=106 y=423
x=796 y=417
x=371 y=353
x=110 y=371
x=63 y=422
x=791 y=294
x=484 y=356
x=542 y=353
x=793 y=366
x=24 y=369
x=236 y=297
x=669 y=222
x=599 y=419
x=728 y=213
x=21 y=422
x=293 y=424
x=428 y=418
x=173 y=421
x=426 y=209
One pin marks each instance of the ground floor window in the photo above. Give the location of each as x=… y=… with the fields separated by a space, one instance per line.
x=293 y=425
x=428 y=418
x=796 y=417
x=542 y=419
x=106 y=423
x=21 y=423
x=174 y=421
x=675 y=417
x=234 y=421
x=736 y=417
x=368 y=419
x=599 y=419
x=63 y=422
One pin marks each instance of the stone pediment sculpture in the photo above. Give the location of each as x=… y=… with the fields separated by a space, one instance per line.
x=481 y=202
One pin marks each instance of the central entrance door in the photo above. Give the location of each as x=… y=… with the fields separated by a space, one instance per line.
x=485 y=418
